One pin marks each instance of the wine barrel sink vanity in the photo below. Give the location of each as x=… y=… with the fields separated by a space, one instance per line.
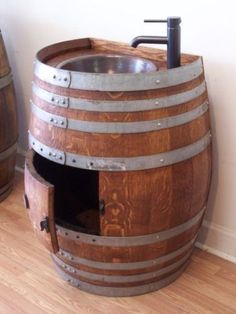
x=119 y=166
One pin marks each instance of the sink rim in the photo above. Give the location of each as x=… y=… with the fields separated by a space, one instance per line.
x=150 y=63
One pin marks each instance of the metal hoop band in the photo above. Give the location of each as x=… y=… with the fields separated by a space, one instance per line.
x=120 y=164
x=124 y=291
x=126 y=266
x=119 y=127
x=118 y=82
x=118 y=106
x=131 y=240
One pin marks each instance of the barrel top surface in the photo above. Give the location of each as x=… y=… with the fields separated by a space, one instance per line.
x=49 y=59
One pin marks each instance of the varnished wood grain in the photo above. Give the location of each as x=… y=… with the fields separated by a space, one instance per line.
x=7 y=173
x=8 y=117
x=39 y=199
x=136 y=202
x=112 y=254
x=180 y=193
x=127 y=284
x=120 y=96
x=93 y=45
x=8 y=125
x=145 y=52
x=115 y=145
x=4 y=64
x=119 y=145
x=27 y=277
x=120 y=116
x=141 y=270
x=41 y=195
x=53 y=51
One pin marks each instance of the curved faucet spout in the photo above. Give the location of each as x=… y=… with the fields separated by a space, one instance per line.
x=148 y=40
x=172 y=40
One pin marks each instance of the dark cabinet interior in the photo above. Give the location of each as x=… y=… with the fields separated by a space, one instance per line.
x=76 y=199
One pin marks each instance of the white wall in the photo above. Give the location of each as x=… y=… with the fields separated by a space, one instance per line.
x=208 y=29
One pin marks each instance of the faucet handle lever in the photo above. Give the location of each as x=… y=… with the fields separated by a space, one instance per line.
x=155 y=21
x=172 y=21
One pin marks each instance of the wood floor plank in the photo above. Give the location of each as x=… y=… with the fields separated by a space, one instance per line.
x=193 y=301
x=30 y=285
x=12 y=303
x=212 y=292
x=216 y=281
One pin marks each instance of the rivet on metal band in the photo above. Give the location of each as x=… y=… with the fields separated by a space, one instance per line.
x=118 y=106
x=126 y=266
x=120 y=291
x=121 y=164
x=122 y=278
x=55 y=99
x=52 y=75
x=131 y=240
x=118 y=82
x=47 y=152
x=53 y=119
x=119 y=127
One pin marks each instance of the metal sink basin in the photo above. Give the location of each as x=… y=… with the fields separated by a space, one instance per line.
x=110 y=64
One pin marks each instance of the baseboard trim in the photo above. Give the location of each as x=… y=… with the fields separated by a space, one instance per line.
x=218 y=240
x=216 y=252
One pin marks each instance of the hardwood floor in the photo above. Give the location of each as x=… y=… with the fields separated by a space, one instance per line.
x=29 y=283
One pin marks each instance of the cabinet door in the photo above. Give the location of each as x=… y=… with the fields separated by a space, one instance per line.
x=39 y=200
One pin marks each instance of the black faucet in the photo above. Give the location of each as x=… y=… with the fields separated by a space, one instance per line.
x=172 y=40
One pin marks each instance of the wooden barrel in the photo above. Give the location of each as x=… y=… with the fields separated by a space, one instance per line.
x=119 y=174
x=8 y=125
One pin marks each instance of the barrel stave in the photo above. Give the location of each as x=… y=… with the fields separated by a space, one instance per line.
x=8 y=125
x=8 y=114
